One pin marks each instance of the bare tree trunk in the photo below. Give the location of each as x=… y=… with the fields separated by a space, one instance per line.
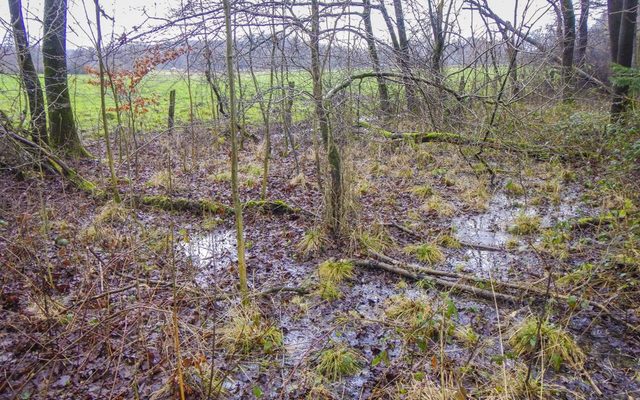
x=625 y=44
x=512 y=54
x=383 y=91
x=316 y=73
x=436 y=18
x=583 y=33
x=62 y=126
x=233 y=128
x=568 y=46
x=484 y=10
x=614 y=10
x=103 y=106
x=401 y=56
x=29 y=75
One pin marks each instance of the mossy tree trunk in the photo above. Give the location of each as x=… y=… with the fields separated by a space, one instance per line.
x=237 y=206
x=28 y=74
x=62 y=127
x=335 y=194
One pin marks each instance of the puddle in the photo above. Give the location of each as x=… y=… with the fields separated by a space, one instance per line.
x=491 y=229
x=211 y=254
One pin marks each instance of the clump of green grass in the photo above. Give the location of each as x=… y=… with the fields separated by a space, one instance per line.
x=477 y=198
x=211 y=223
x=221 y=177
x=525 y=225
x=449 y=242
x=329 y=291
x=312 y=241
x=335 y=271
x=513 y=188
x=338 y=361
x=331 y=273
x=426 y=252
x=417 y=322
x=162 y=179
x=422 y=191
x=556 y=242
x=556 y=345
x=578 y=276
x=363 y=187
x=466 y=335
x=247 y=331
x=439 y=206
x=252 y=170
x=112 y=212
x=407 y=310
x=512 y=244
x=376 y=238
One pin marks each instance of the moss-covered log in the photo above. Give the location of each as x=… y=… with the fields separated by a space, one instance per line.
x=200 y=206
x=531 y=150
x=197 y=206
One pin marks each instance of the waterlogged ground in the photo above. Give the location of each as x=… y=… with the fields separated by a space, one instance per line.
x=124 y=285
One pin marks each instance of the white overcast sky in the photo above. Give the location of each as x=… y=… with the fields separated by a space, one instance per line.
x=130 y=13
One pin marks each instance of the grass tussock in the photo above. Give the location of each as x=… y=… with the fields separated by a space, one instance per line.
x=247 y=330
x=422 y=191
x=439 y=206
x=376 y=238
x=553 y=344
x=335 y=271
x=525 y=225
x=112 y=213
x=514 y=189
x=161 y=179
x=428 y=253
x=312 y=241
x=449 y=242
x=338 y=361
x=331 y=273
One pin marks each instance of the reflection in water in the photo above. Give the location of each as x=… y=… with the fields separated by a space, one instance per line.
x=211 y=254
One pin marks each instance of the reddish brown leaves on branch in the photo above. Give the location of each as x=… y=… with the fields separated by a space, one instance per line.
x=125 y=81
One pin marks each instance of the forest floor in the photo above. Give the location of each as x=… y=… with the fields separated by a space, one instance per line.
x=101 y=300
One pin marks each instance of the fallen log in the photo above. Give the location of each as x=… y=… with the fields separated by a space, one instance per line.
x=200 y=206
x=535 y=151
x=482 y=293
x=523 y=289
x=477 y=246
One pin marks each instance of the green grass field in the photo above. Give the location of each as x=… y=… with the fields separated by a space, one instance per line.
x=85 y=98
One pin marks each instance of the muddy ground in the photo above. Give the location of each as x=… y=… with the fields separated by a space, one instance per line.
x=95 y=297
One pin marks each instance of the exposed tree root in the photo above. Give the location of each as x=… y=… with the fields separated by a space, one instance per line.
x=21 y=153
